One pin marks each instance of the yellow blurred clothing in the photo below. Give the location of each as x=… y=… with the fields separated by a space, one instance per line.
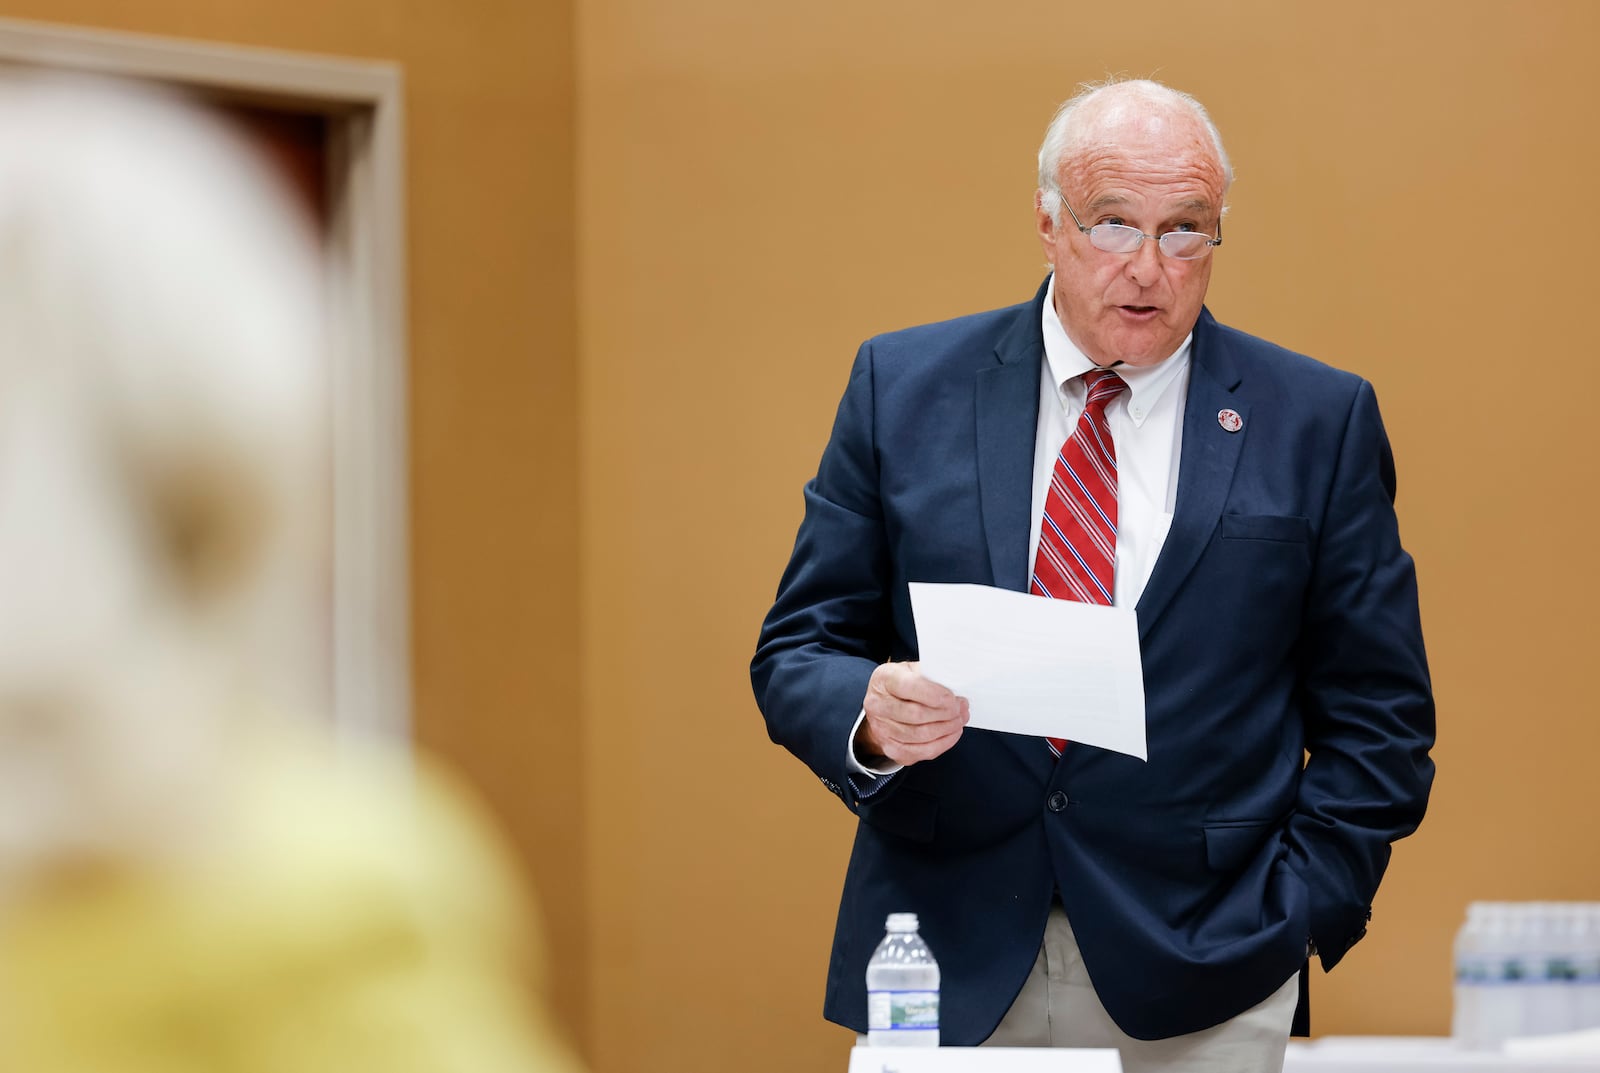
x=352 y=914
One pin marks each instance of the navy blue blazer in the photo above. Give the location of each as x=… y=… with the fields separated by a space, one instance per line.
x=1288 y=706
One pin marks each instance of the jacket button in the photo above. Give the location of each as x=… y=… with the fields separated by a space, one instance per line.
x=1056 y=802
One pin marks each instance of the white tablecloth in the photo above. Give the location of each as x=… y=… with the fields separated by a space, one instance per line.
x=1418 y=1054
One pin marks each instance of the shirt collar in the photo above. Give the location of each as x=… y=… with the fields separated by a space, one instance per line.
x=1146 y=383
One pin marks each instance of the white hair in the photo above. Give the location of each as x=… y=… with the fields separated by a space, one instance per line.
x=1068 y=133
x=161 y=365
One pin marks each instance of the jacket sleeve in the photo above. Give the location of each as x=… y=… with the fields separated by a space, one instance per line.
x=831 y=624
x=1368 y=703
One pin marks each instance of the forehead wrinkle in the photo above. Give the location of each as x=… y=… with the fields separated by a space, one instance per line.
x=1118 y=180
x=1147 y=142
x=1147 y=163
x=1106 y=201
x=1116 y=199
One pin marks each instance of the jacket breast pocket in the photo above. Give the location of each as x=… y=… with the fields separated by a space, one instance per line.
x=1284 y=528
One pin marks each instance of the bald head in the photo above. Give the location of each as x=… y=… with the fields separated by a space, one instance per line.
x=1138 y=112
x=1143 y=158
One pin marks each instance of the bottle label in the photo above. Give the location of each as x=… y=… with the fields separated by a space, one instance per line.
x=1560 y=969
x=1510 y=970
x=893 y=1011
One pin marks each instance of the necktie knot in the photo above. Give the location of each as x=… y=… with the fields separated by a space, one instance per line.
x=1100 y=387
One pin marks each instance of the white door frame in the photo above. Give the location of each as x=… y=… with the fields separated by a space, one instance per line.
x=361 y=102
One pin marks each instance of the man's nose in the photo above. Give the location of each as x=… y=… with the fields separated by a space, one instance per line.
x=1144 y=263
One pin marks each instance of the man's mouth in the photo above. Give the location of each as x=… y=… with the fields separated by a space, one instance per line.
x=1139 y=311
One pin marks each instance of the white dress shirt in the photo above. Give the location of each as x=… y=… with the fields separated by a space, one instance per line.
x=1146 y=424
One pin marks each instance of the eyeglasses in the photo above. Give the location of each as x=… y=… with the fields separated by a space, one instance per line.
x=1120 y=238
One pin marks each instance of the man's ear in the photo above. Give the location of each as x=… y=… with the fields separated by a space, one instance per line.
x=1044 y=225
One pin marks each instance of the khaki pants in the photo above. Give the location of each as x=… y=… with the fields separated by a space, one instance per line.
x=1057 y=1007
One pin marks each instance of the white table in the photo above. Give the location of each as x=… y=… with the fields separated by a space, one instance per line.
x=865 y=1059
x=1418 y=1054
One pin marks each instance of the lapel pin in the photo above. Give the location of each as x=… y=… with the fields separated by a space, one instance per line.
x=1230 y=420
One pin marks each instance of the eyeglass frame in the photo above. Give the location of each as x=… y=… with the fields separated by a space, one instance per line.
x=1210 y=240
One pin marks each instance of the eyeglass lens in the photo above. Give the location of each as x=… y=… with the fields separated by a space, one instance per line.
x=1118 y=238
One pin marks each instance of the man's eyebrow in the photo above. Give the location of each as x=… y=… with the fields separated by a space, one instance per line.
x=1193 y=204
x=1105 y=201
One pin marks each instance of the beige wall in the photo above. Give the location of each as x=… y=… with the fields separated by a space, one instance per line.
x=764 y=185
x=489 y=157
x=645 y=241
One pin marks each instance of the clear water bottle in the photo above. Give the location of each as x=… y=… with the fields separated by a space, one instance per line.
x=1502 y=1007
x=1586 y=966
x=1546 y=993
x=902 y=988
x=1526 y=969
x=1472 y=974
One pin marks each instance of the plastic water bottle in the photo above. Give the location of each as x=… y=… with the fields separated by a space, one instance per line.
x=1547 y=991
x=1499 y=1013
x=1472 y=974
x=902 y=988
x=1586 y=966
x=1526 y=969
x=1570 y=927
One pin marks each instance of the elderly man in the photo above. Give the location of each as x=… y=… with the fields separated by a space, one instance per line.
x=1110 y=442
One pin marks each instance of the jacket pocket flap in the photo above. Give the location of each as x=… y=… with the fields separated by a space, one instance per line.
x=1290 y=528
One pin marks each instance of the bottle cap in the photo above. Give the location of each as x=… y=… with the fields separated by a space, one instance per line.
x=902 y=922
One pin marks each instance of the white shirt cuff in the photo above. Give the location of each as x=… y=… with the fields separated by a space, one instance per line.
x=855 y=766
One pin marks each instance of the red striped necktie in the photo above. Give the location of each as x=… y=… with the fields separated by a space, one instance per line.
x=1078 y=536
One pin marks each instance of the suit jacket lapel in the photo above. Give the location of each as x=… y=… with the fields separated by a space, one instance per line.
x=1209 y=455
x=1007 y=402
x=1007 y=415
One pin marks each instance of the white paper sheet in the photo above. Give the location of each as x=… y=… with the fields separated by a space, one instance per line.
x=1032 y=665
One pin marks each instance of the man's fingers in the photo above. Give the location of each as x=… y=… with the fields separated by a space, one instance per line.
x=904 y=733
x=911 y=753
x=910 y=718
x=904 y=683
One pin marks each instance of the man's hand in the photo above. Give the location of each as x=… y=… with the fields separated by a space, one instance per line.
x=909 y=718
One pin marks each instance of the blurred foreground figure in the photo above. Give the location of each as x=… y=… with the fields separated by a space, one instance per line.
x=193 y=878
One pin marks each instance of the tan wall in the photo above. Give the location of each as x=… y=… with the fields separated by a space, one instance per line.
x=759 y=187
x=764 y=185
x=489 y=159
